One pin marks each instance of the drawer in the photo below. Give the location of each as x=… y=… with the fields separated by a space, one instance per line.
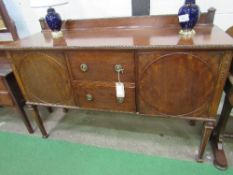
x=5 y=99
x=100 y=65
x=99 y=95
x=2 y=85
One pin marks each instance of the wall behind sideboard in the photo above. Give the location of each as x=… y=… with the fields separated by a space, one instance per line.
x=26 y=18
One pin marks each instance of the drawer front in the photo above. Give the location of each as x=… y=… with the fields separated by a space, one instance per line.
x=100 y=66
x=103 y=96
x=2 y=85
x=5 y=99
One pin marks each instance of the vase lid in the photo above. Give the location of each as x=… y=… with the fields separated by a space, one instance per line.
x=190 y=1
x=50 y=10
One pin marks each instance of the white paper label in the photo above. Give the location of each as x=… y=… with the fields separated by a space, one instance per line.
x=184 y=18
x=120 y=90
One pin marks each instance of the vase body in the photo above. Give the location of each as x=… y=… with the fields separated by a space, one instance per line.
x=188 y=15
x=53 y=20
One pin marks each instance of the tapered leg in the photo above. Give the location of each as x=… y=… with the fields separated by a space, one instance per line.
x=17 y=98
x=207 y=130
x=220 y=160
x=65 y=110
x=221 y=125
x=38 y=120
x=192 y=122
x=25 y=118
x=50 y=109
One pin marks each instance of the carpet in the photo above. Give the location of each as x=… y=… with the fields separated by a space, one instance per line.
x=30 y=155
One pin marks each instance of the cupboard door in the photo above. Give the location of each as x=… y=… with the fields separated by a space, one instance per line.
x=177 y=83
x=43 y=77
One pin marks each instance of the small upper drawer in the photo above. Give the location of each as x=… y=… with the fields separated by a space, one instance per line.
x=100 y=65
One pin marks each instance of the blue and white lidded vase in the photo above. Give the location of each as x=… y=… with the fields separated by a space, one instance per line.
x=188 y=16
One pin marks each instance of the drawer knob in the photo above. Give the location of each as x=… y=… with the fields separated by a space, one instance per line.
x=83 y=67
x=89 y=97
x=119 y=68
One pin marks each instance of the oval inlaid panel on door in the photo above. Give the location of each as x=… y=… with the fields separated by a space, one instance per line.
x=176 y=83
x=44 y=77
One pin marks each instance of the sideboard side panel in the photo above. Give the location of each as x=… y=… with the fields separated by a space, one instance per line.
x=222 y=76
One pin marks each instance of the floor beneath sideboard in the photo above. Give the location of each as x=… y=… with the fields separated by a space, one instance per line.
x=171 y=138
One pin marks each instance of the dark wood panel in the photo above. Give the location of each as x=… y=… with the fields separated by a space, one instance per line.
x=177 y=83
x=43 y=77
x=101 y=65
x=104 y=96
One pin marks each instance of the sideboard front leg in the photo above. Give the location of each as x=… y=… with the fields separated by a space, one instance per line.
x=24 y=116
x=38 y=120
x=207 y=130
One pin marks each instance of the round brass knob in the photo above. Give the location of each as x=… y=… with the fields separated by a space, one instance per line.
x=89 y=97
x=83 y=67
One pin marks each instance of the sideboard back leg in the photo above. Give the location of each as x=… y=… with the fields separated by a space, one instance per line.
x=50 y=109
x=38 y=120
x=192 y=122
x=207 y=130
x=65 y=110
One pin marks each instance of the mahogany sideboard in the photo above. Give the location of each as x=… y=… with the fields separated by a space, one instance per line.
x=163 y=74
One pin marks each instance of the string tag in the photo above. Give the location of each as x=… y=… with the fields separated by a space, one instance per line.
x=120 y=90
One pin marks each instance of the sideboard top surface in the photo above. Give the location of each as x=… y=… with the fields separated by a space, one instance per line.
x=127 y=37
